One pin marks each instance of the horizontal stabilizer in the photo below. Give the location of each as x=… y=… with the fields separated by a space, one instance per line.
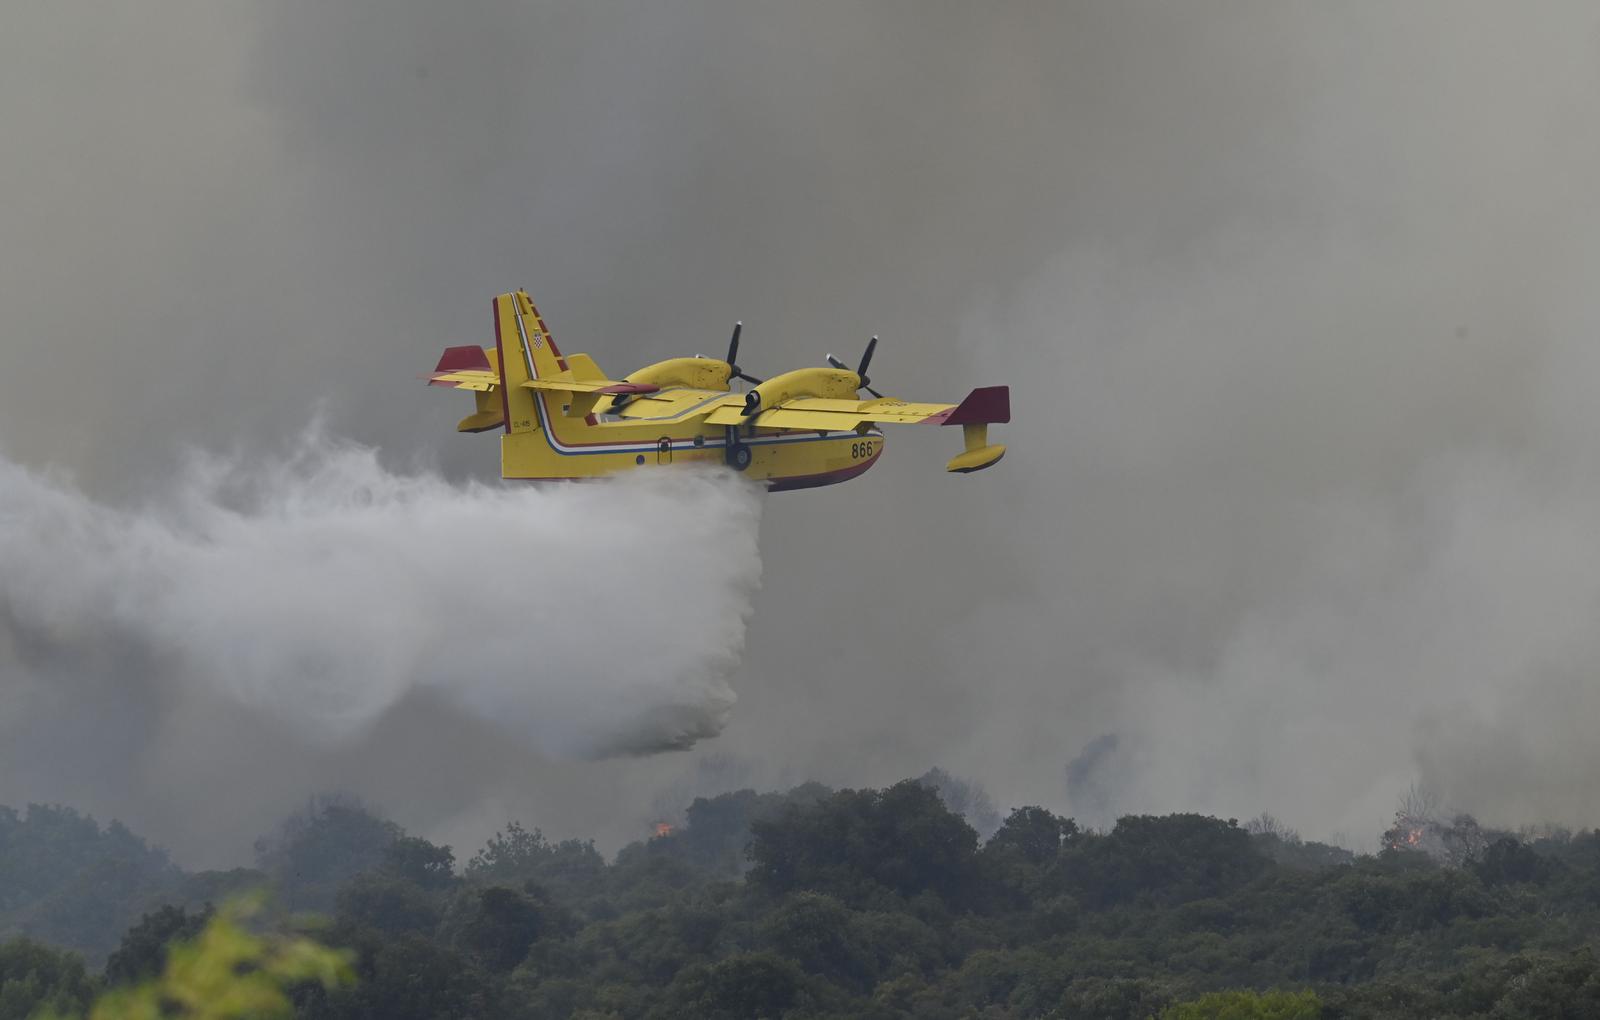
x=476 y=370
x=602 y=386
x=465 y=368
x=482 y=421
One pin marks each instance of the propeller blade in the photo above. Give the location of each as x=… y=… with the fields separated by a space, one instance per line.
x=747 y=377
x=733 y=344
x=866 y=359
x=872 y=345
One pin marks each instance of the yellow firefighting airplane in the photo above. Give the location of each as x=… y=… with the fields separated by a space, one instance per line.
x=564 y=419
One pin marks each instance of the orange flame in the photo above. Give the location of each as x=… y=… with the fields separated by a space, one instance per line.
x=663 y=829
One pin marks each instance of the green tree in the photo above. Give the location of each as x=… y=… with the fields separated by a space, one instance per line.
x=965 y=798
x=498 y=925
x=35 y=978
x=317 y=850
x=1558 y=988
x=227 y=973
x=1507 y=861
x=143 y=953
x=1167 y=860
x=420 y=862
x=1015 y=863
x=67 y=881
x=572 y=871
x=858 y=843
x=403 y=976
x=816 y=931
x=1245 y=1005
x=1034 y=834
x=741 y=987
x=391 y=905
x=717 y=829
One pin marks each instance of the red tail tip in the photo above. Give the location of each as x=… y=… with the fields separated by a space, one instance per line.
x=456 y=359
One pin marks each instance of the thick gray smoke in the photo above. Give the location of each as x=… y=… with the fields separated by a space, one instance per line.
x=318 y=592
x=1296 y=300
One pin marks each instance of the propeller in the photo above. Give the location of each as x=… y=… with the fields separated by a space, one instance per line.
x=734 y=371
x=866 y=359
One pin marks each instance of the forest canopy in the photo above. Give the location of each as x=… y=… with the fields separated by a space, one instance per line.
x=852 y=903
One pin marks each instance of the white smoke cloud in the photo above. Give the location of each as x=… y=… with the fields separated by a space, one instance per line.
x=322 y=589
x=1297 y=300
x=1325 y=567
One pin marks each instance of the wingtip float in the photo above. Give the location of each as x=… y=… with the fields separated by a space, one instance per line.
x=564 y=419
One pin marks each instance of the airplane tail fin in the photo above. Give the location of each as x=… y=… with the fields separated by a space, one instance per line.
x=528 y=354
x=520 y=332
x=525 y=385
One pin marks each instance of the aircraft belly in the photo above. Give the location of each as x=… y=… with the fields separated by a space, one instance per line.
x=821 y=461
x=542 y=453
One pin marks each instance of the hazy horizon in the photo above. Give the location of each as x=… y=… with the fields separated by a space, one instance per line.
x=1294 y=300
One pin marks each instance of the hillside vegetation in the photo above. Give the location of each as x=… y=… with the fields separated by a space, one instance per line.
x=853 y=903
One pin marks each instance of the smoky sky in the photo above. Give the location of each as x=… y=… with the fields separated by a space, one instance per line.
x=1295 y=300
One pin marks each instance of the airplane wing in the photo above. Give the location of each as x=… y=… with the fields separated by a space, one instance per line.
x=985 y=405
x=981 y=408
x=678 y=403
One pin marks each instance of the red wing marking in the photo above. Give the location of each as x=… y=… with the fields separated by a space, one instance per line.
x=984 y=404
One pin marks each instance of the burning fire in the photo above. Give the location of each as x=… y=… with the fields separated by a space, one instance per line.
x=1407 y=833
x=663 y=829
x=1455 y=842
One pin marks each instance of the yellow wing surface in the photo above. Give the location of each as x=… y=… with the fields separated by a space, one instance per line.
x=983 y=406
x=831 y=414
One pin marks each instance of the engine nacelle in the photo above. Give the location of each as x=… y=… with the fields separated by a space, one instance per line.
x=831 y=383
x=693 y=373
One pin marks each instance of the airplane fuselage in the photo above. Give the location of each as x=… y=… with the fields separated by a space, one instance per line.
x=552 y=445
